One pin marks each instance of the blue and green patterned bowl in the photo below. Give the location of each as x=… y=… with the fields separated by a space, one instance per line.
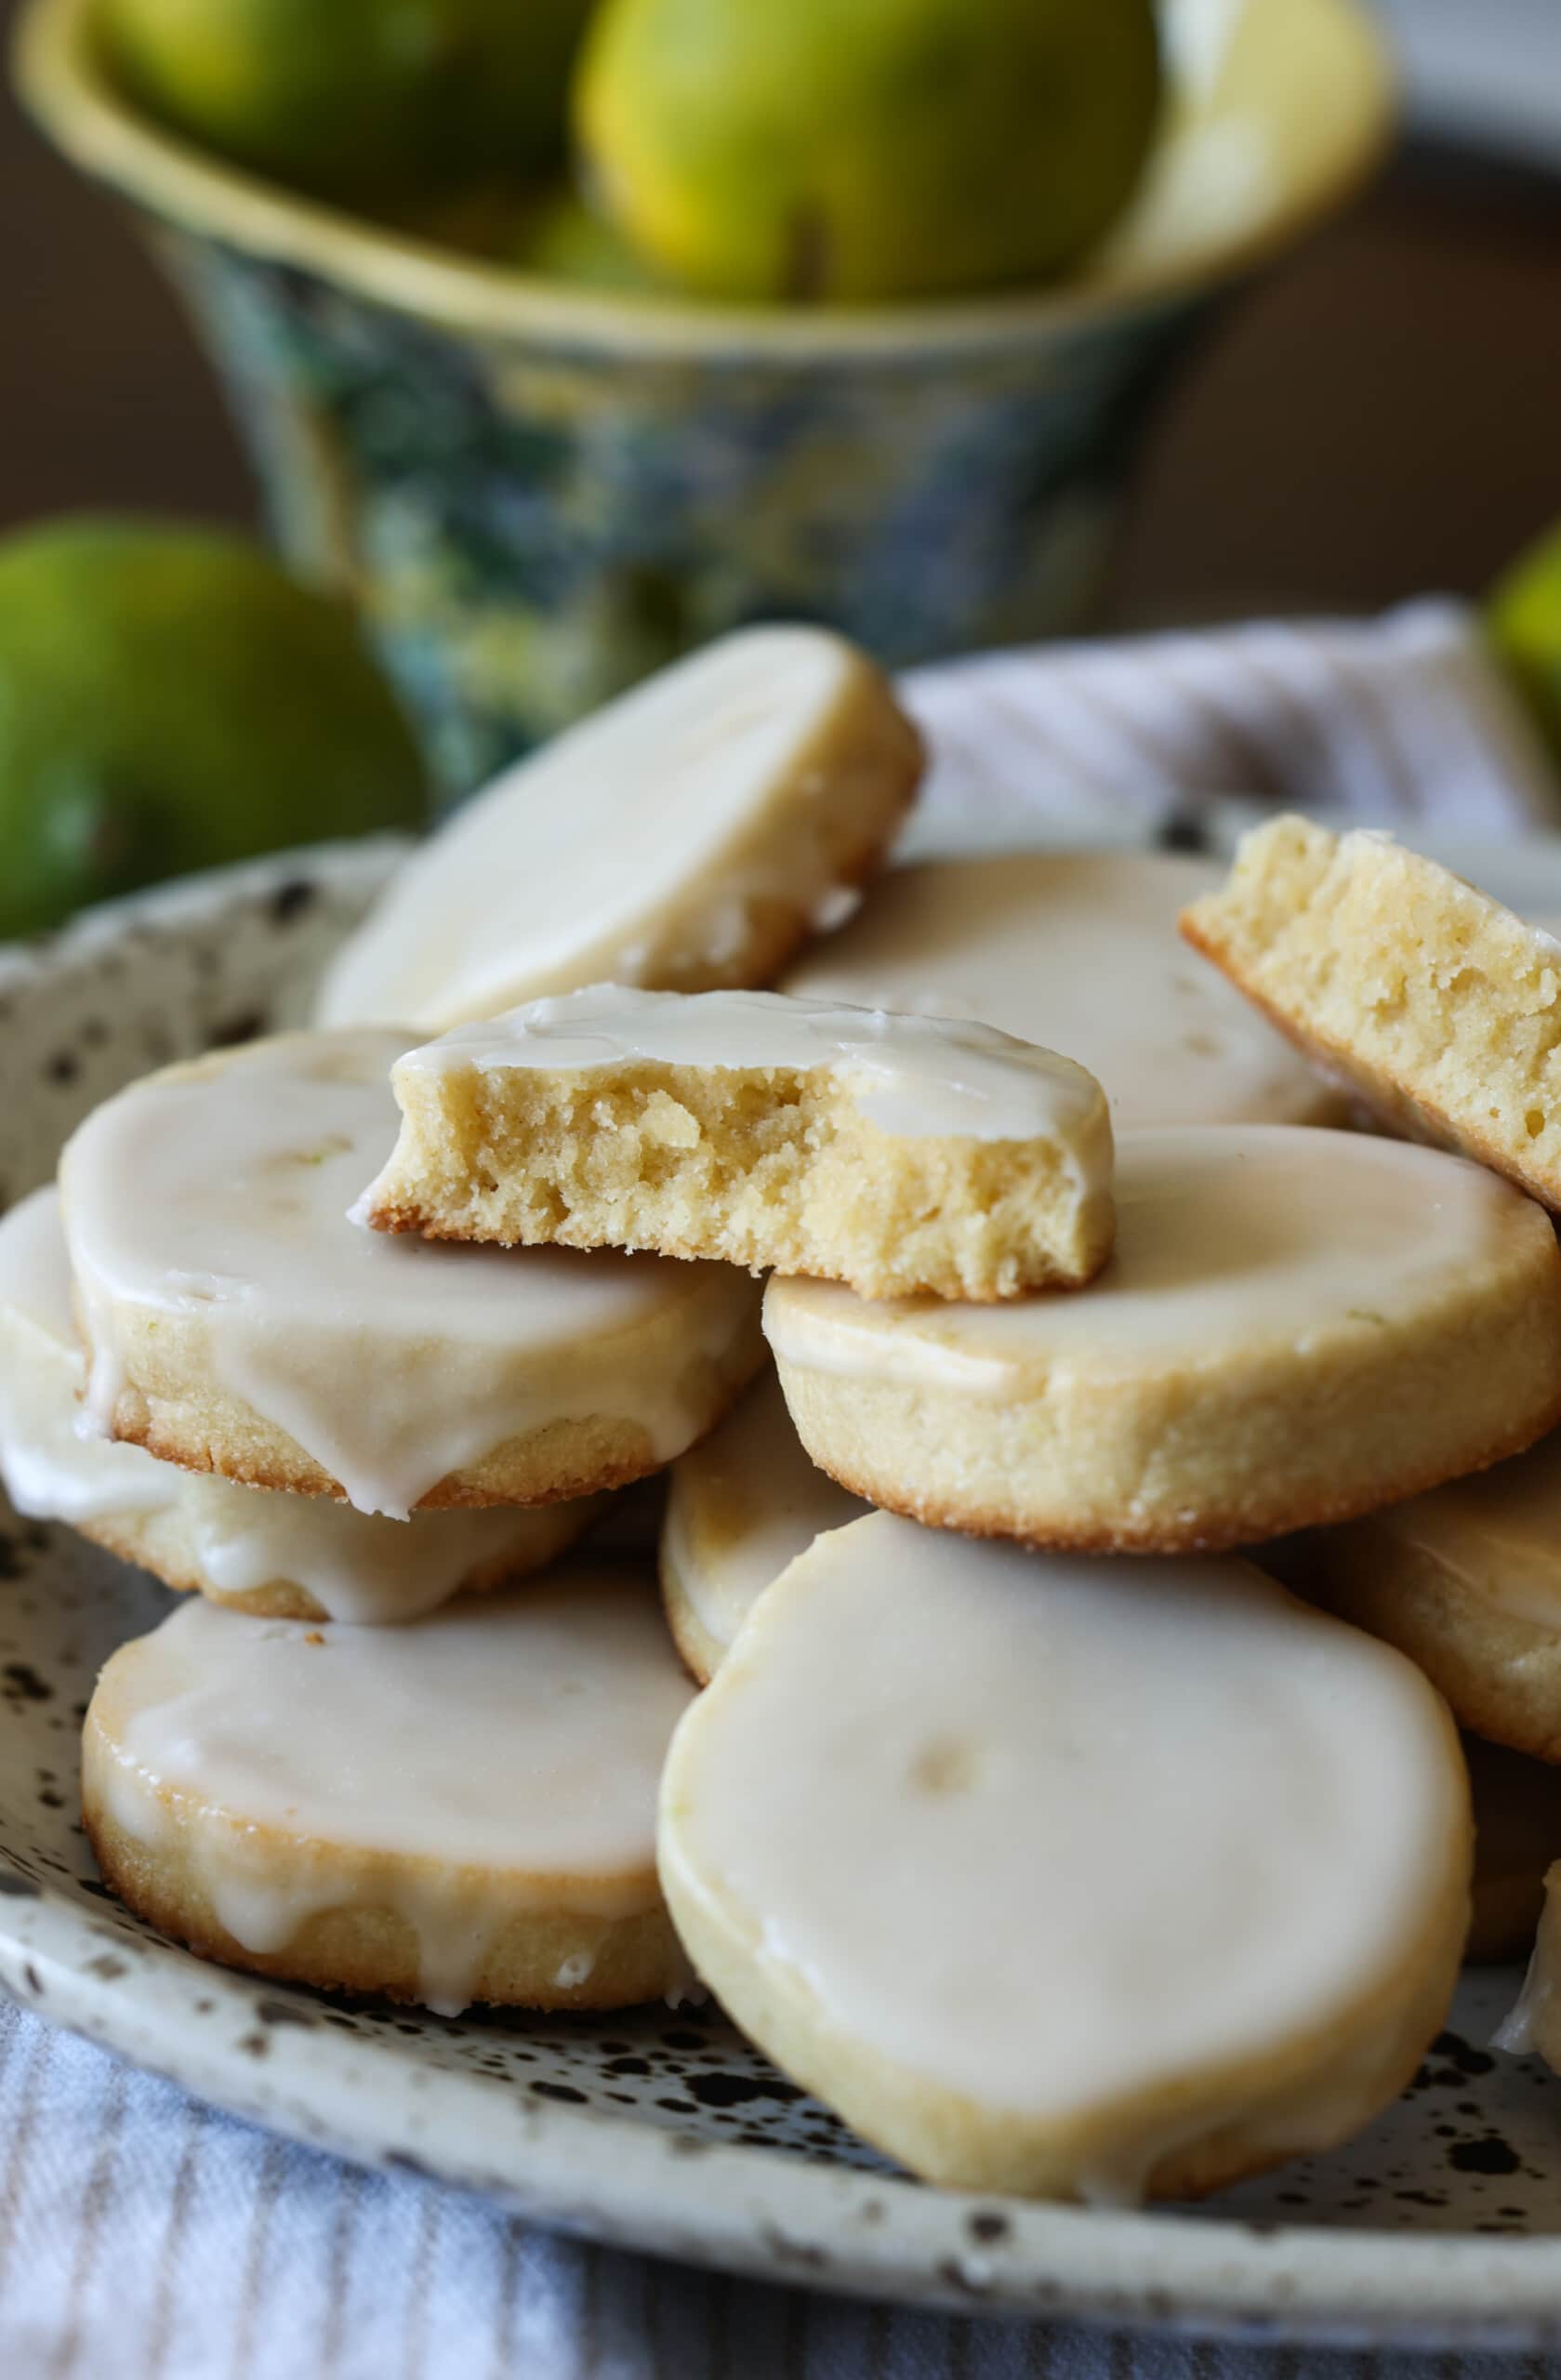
x=538 y=493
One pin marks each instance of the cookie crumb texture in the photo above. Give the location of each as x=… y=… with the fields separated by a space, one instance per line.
x=769 y=1167
x=1435 y=1005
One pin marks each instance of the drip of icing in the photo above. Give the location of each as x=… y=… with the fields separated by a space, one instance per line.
x=744 y=1502
x=911 y=1076
x=51 y=1471
x=1078 y=951
x=360 y=1567
x=1245 y=1239
x=1169 y=1826
x=1498 y=1532
x=357 y=1567
x=501 y=1756
x=221 y=1194
x=1518 y=2032
x=1528 y=2026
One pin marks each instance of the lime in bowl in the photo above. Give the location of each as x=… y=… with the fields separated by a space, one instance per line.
x=537 y=489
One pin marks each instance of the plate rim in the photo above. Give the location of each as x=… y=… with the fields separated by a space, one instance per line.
x=770 y=2214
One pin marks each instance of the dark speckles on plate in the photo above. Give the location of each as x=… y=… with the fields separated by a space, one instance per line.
x=284 y=2012
x=736 y=2090
x=1492 y=2155
x=292 y=901
x=20 y=1682
x=987 y=2227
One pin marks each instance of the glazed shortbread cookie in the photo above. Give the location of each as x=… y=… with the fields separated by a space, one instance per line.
x=744 y=1503
x=1072 y=1879
x=1518 y=1839
x=897 y=1153
x=1078 y=951
x=1466 y=1580
x=283 y=1558
x=238 y=1322
x=690 y=834
x=1296 y=1326
x=1435 y=1004
x=461 y=1810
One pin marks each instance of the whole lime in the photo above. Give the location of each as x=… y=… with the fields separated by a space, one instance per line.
x=169 y=699
x=355 y=99
x=855 y=150
x=1523 y=617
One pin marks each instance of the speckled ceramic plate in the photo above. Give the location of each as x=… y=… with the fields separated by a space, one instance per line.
x=659 y=2130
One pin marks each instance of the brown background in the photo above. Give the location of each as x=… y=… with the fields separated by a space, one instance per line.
x=1381 y=415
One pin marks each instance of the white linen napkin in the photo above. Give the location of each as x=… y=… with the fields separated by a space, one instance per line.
x=1402 y=721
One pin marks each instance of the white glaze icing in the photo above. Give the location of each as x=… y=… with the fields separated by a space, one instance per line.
x=1528 y=2027
x=1498 y=1532
x=503 y=1753
x=391 y=1361
x=1078 y=951
x=563 y=870
x=1235 y=1238
x=362 y=1566
x=52 y=1471
x=1077 y=1840
x=913 y=1075
x=34 y=1268
x=745 y=1501
x=1518 y=2032
x=356 y=1566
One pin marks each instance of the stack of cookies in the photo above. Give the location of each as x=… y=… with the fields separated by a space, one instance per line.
x=1058 y=1847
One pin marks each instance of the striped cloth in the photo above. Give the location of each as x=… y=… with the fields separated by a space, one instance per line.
x=145 y=2238
x=1398 y=721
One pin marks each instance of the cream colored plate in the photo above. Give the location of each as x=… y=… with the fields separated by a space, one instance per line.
x=660 y=2130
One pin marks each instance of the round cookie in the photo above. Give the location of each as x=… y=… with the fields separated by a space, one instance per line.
x=239 y=1322
x=1296 y=1326
x=1517 y=1838
x=460 y=1810
x=281 y=1557
x=1075 y=1878
x=689 y=835
x=1078 y=951
x=1466 y=1580
x=743 y=1503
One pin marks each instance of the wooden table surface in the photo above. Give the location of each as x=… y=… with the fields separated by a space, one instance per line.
x=1380 y=414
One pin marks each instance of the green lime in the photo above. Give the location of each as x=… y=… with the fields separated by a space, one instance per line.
x=854 y=150
x=355 y=99
x=563 y=240
x=169 y=699
x=1522 y=616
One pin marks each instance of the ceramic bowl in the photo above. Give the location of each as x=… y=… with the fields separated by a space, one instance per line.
x=539 y=492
